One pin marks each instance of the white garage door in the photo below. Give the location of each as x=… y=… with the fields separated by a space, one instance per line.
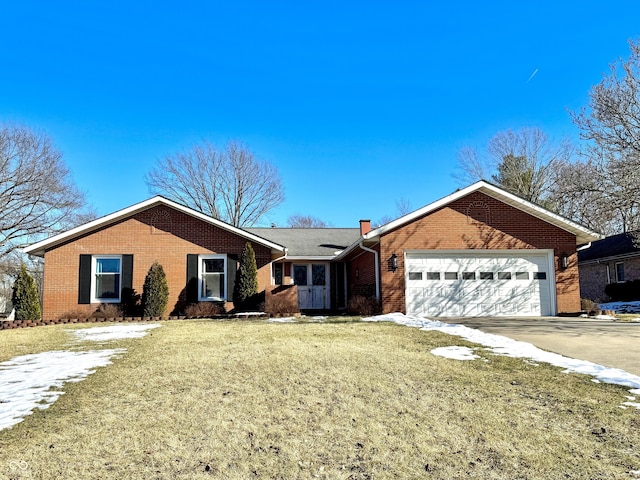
x=492 y=283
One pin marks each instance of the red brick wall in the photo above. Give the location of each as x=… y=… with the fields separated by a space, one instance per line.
x=159 y=233
x=362 y=277
x=593 y=277
x=478 y=221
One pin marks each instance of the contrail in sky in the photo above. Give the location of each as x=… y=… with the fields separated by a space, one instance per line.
x=532 y=75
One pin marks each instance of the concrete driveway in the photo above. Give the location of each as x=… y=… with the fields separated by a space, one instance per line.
x=614 y=344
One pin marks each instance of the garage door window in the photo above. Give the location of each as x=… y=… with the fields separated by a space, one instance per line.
x=433 y=275
x=522 y=275
x=504 y=275
x=486 y=275
x=415 y=275
x=450 y=275
x=540 y=275
x=468 y=275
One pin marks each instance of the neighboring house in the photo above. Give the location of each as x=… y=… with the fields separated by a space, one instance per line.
x=614 y=259
x=480 y=251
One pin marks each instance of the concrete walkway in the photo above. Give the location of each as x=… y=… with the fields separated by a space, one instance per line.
x=614 y=344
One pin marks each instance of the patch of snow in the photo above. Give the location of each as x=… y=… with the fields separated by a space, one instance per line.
x=455 y=353
x=513 y=348
x=26 y=381
x=281 y=319
x=115 y=332
x=603 y=317
x=622 y=307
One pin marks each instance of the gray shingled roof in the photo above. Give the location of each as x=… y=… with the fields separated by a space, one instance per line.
x=613 y=246
x=309 y=242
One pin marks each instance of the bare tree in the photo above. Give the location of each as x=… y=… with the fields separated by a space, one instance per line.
x=231 y=184
x=305 y=221
x=403 y=206
x=610 y=124
x=37 y=194
x=524 y=162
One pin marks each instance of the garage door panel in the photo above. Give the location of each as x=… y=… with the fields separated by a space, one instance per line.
x=480 y=284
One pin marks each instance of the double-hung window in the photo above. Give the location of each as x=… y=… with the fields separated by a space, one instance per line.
x=106 y=279
x=620 y=272
x=212 y=275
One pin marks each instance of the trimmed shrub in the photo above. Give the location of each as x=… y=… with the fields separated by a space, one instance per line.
x=363 y=305
x=107 y=310
x=246 y=287
x=155 y=292
x=204 y=309
x=623 y=292
x=24 y=297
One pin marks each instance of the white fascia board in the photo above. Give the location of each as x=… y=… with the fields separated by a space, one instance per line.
x=300 y=258
x=40 y=247
x=583 y=234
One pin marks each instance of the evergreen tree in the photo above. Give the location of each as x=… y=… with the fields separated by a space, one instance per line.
x=246 y=287
x=25 y=296
x=155 y=291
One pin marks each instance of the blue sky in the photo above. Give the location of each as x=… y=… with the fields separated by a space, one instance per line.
x=358 y=104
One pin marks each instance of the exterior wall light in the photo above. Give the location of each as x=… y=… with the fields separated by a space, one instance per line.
x=564 y=260
x=393 y=264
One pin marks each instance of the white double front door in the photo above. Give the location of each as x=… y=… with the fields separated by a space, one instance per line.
x=313 y=285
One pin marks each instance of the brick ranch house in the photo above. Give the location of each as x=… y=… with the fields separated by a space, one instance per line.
x=477 y=252
x=615 y=259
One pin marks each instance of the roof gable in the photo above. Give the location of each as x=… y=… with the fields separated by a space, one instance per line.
x=39 y=248
x=583 y=234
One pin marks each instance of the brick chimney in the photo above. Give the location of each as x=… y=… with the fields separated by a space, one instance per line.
x=365 y=227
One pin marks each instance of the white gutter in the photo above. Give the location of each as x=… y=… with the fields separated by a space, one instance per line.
x=376 y=262
x=583 y=247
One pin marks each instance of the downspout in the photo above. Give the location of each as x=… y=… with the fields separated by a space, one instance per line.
x=376 y=262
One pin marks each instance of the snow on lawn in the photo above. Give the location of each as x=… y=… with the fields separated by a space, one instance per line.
x=513 y=348
x=622 y=307
x=115 y=332
x=281 y=319
x=26 y=381
x=455 y=353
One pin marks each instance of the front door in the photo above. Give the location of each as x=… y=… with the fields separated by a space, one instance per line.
x=311 y=280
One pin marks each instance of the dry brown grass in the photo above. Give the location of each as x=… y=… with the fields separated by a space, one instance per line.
x=23 y=341
x=250 y=399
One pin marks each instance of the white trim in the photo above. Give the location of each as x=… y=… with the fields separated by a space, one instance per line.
x=224 y=278
x=94 y=274
x=311 y=258
x=39 y=248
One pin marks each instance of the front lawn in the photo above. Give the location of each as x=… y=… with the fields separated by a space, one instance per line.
x=347 y=400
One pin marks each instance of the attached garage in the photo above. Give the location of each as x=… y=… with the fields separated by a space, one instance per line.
x=480 y=251
x=480 y=283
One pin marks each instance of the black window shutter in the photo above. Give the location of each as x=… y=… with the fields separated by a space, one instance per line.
x=192 y=278
x=127 y=272
x=84 y=280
